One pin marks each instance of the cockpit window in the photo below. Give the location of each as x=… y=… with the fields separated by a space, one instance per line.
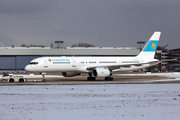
x=33 y=63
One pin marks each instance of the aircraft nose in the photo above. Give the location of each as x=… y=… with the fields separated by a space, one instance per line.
x=27 y=68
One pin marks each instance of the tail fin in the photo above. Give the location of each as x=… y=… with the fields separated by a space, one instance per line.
x=150 y=48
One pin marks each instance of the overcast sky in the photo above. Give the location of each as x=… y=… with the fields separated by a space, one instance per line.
x=104 y=23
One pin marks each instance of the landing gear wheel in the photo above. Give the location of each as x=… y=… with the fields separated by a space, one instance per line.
x=91 y=78
x=108 y=78
x=111 y=78
x=44 y=80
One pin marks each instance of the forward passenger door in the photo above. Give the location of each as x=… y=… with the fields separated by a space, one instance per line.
x=45 y=63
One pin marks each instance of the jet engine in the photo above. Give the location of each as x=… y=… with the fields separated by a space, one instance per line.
x=70 y=74
x=101 y=72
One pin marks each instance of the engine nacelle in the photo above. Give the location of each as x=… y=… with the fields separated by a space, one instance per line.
x=70 y=74
x=101 y=72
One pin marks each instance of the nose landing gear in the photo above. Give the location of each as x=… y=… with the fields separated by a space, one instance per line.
x=43 y=77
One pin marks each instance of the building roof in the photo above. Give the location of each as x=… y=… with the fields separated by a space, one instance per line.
x=69 y=51
x=177 y=49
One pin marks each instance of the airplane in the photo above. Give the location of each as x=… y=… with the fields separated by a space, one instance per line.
x=97 y=66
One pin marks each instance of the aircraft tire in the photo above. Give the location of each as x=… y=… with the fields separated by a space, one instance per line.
x=91 y=78
x=108 y=78
x=44 y=80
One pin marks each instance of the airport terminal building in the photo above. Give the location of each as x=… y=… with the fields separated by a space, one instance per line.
x=16 y=58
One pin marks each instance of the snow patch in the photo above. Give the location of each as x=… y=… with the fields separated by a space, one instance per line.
x=87 y=102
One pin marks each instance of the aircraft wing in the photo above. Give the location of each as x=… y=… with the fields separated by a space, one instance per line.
x=113 y=67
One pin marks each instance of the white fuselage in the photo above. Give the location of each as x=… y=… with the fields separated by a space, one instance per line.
x=80 y=64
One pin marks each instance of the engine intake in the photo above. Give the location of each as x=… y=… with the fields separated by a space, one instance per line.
x=101 y=72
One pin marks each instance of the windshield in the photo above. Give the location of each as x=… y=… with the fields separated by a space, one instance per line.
x=33 y=63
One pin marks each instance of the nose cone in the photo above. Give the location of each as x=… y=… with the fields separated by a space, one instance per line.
x=28 y=68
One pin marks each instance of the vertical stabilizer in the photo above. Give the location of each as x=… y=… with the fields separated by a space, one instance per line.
x=150 y=48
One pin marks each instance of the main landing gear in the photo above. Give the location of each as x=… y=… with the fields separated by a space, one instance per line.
x=91 y=78
x=108 y=78
x=94 y=78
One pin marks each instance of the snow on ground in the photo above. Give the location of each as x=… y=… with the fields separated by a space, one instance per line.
x=170 y=74
x=91 y=102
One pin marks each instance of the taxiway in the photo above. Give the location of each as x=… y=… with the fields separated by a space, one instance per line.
x=118 y=79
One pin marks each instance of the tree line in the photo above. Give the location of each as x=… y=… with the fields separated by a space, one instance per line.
x=32 y=45
x=51 y=45
x=83 y=45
